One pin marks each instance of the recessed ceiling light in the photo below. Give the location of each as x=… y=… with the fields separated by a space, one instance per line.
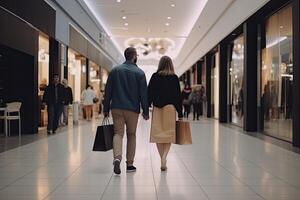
x=169 y=17
x=126 y=24
x=173 y=5
x=167 y=24
x=118 y=1
x=124 y=17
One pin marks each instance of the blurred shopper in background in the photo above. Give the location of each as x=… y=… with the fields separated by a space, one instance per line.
x=54 y=98
x=185 y=100
x=68 y=100
x=88 y=96
x=196 y=98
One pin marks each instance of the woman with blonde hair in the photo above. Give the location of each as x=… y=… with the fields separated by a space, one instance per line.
x=164 y=93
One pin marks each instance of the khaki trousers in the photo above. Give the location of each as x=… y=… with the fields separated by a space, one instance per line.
x=120 y=119
x=66 y=114
x=88 y=111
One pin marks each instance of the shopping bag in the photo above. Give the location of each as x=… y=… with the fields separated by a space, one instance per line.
x=183 y=132
x=163 y=125
x=104 y=136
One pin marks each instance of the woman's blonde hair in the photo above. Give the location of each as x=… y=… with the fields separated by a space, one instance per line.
x=165 y=66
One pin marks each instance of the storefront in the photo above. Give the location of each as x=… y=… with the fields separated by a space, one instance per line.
x=104 y=75
x=43 y=76
x=194 y=75
x=77 y=73
x=25 y=48
x=236 y=78
x=277 y=75
x=95 y=82
x=253 y=71
x=95 y=77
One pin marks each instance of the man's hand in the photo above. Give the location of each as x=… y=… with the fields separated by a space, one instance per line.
x=146 y=117
x=106 y=114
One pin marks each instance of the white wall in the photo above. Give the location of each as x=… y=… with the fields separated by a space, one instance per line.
x=62 y=30
x=210 y=34
x=71 y=12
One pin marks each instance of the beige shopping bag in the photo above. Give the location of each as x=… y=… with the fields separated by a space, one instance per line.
x=183 y=133
x=163 y=125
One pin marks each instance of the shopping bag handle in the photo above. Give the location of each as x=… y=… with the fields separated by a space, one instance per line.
x=105 y=121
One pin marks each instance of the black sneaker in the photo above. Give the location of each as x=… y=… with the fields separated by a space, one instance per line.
x=131 y=169
x=117 y=169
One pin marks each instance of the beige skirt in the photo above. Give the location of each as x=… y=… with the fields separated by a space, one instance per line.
x=163 y=125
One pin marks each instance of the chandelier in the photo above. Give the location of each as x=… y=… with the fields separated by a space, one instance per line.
x=148 y=46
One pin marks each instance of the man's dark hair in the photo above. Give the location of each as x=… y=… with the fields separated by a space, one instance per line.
x=129 y=53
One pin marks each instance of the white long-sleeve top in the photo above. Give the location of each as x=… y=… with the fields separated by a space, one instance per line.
x=87 y=96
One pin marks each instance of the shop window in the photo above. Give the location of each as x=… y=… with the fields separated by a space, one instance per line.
x=104 y=77
x=76 y=73
x=277 y=75
x=236 y=76
x=43 y=76
x=95 y=82
x=94 y=75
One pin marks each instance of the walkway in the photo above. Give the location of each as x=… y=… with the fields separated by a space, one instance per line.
x=221 y=164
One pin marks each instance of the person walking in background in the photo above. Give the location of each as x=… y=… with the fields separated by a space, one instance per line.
x=100 y=101
x=125 y=91
x=88 y=96
x=203 y=100
x=68 y=100
x=185 y=100
x=54 y=98
x=196 y=98
x=164 y=93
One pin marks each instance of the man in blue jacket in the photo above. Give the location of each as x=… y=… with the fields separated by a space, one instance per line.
x=125 y=94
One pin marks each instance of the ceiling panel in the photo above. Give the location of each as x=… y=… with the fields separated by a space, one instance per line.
x=196 y=25
x=148 y=19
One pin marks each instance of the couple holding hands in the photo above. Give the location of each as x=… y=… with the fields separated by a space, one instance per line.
x=126 y=90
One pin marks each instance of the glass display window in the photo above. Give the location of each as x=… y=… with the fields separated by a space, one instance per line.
x=104 y=74
x=277 y=75
x=43 y=77
x=76 y=73
x=95 y=79
x=236 y=78
x=43 y=63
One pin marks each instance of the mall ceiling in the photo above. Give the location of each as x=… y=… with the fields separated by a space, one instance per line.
x=182 y=29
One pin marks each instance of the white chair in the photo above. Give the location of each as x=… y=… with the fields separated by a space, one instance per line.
x=13 y=113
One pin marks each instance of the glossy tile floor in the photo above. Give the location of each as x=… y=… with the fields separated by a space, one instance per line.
x=281 y=128
x=221 y=164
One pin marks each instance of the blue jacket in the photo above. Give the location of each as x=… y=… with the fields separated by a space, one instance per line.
x=126 y=88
